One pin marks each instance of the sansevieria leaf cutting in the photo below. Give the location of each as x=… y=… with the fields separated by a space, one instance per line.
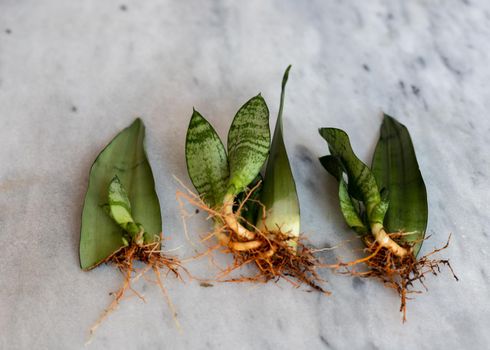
x=121 y=220
x=255 y=216
x=386 y=205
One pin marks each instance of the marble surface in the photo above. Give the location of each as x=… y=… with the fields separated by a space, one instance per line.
x=73 y=73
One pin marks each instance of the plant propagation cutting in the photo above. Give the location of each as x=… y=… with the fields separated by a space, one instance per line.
x=121 y=220
x=257 y=219
x=386 y=205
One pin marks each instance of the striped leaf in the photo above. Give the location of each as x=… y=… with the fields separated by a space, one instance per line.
x=279 y=194
x=119 y=209
x=360 y=178
x=348 y=205
x=207 y=164
x=248 y=143
x=396 y=169
x=124 y=157
x=350 y=210
x=119 y=206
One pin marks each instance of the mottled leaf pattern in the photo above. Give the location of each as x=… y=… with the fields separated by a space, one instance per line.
x=279 y=194
x=359 y=176
x=349 y=211
x=207 y=164
x=119 y=206
x=396 y=169
x=248 y=143
x=125 y=157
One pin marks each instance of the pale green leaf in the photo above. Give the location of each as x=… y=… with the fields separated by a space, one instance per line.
x=351 y=214
x=119 y=206
x=248 y=143
x=279 y=194
x=207 y=164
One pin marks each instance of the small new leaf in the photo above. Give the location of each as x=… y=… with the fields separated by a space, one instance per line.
x=119 y=207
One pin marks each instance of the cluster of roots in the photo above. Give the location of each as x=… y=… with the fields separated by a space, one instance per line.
x=399 y=273
x=152 y=258
x=275 y=255
x=274 y=259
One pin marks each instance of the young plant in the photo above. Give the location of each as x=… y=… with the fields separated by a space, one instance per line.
x=257 y=221
x=121 y=220
x=386 y=205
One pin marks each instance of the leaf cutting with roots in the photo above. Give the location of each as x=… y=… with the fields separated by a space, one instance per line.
x=387 y=206
x=121 y=220
x=256 y=220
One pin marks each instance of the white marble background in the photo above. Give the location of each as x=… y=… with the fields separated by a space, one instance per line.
x=73 y=73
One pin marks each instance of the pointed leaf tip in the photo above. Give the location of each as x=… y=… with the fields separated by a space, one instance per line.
x=137 y=122
x=285 y=77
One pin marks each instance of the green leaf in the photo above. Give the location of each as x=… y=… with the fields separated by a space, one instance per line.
x=207 y=164
x=360 y=179
x=248 y=143
x=119 y=206
x=348 y=205
x=279 y=194
x=119 y=209
x=252 y=208
x=349 y=211
x=396 y=169
x=125 y=158
x=333 y=166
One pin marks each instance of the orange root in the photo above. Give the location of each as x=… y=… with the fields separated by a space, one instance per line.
x=152 y=257
x=270 y=252
x=275 y=259
x=399 y=273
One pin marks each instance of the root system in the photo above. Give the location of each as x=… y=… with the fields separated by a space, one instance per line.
x=152 y=258
x=275 y=255
x=398 y=273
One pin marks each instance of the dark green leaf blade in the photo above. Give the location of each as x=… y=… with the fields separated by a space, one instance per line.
x=252 y=208
x=125 y=157
x=248 y=143
x=279 y=194
x=396 y=169
x=207 y=164
x=333 y=166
